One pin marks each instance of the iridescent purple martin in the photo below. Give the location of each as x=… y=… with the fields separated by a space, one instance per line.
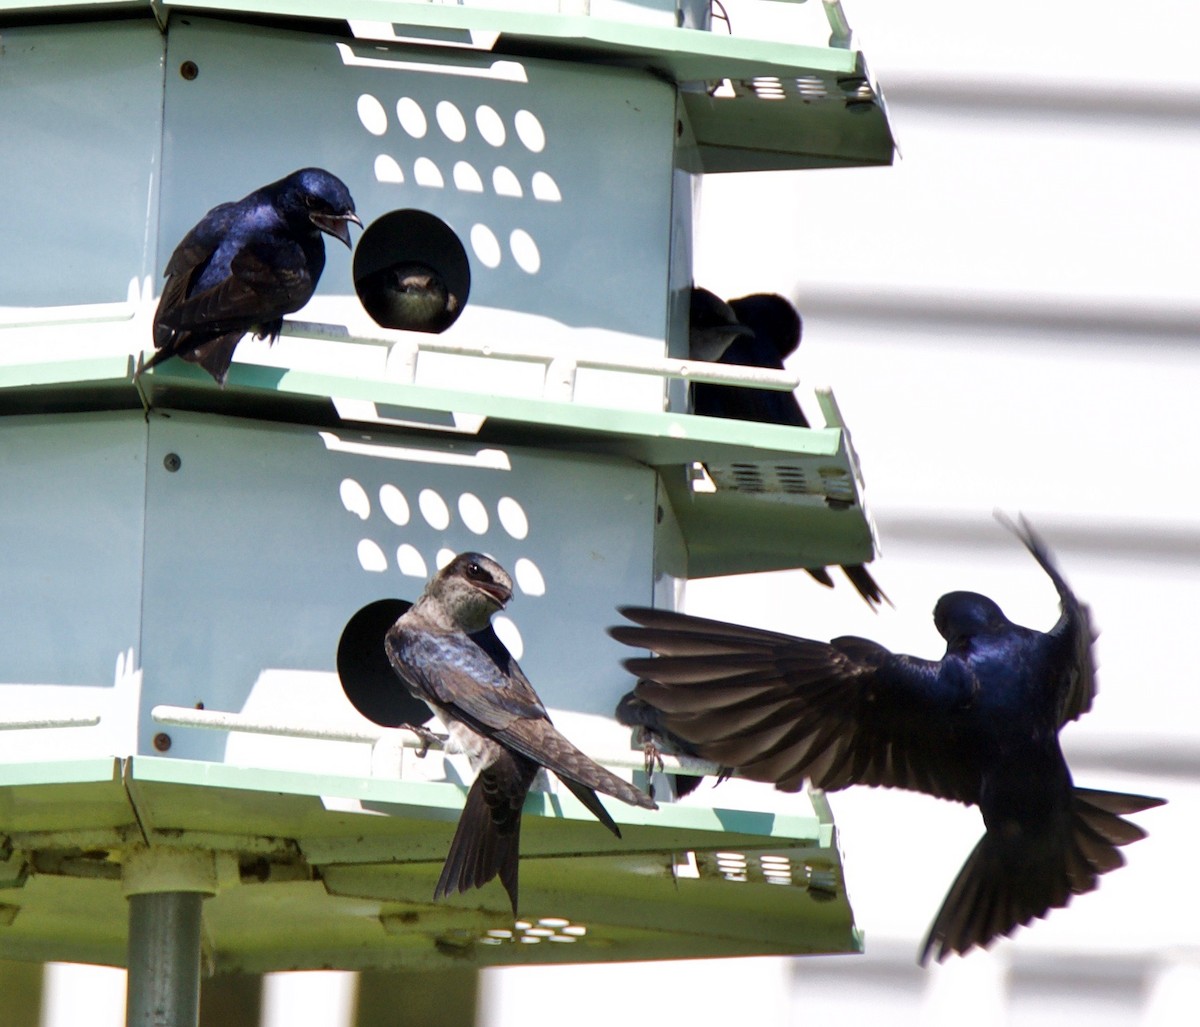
x=495 y=717
x=247 y=264
x=759 y=330
x=980 y=726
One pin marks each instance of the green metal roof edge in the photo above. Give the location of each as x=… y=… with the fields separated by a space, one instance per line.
x=437 y=795
x=689 y=55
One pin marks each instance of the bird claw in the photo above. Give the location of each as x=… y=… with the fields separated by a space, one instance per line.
x=426 y=736
x=652 y=755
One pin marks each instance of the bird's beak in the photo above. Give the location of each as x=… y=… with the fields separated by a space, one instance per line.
x=735 y=332
x=722 y=337
x=337 y=225
x=497 y=591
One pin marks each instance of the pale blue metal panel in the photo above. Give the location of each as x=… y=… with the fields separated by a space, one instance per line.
x=80 y=110
x=267 y=539
x=556 y=176
x=686 y=182
x=71 y=498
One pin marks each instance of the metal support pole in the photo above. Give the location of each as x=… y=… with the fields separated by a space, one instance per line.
x=164 y=960
x=166 y=888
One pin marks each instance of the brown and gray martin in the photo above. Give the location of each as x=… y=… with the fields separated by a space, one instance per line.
x=492 y=712
x=408 y=295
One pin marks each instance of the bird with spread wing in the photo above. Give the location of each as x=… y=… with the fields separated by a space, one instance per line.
x=979 y=726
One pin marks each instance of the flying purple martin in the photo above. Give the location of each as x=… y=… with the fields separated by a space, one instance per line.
x=496 y=718
x=408 y=295
x=245 y=265
x=759 y=330
x=980 y=726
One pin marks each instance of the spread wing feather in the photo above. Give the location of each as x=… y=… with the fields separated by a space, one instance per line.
x=1074 y=634
x=786 y=710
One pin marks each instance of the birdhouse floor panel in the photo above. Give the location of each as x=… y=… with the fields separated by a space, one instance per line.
x=301 y=885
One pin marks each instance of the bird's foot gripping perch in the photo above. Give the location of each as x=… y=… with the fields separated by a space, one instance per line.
x=428 y=738
x=652 y=755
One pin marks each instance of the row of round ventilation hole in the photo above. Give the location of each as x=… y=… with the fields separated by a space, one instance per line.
x=434 y=509
x=411 y=564
x=466 y=179
x=492 y=127
x=551 y=928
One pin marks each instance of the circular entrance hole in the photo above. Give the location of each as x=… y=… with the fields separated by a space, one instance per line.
x=366 y=674
x=411 y=272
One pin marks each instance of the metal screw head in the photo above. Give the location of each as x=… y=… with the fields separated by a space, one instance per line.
x=172 y=462
x=188 y=70
x=162 y=741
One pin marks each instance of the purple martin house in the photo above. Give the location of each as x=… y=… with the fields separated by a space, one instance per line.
x=179 y=562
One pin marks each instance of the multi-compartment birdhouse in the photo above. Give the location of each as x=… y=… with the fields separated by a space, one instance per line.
x=179 y=562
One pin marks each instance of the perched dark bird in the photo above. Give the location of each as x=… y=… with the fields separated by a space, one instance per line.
x=980 y=726
x=493 y=713
x=245 y=265
x=770 y=331
x=765 y=329
x=712 y=327
x=408 y=295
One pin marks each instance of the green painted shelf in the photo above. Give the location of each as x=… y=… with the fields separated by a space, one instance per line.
x=304 y=883
x=772 y=483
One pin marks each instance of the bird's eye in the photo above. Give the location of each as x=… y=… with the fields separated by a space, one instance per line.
x=311 y=201
x=476 y=572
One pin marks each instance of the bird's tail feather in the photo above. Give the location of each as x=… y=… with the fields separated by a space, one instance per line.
x=820 y=575
x=1098 y=828
x=865 y=584
x=991 y=896
x=1091 y=801
x=484 y=846
x=216 y=355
